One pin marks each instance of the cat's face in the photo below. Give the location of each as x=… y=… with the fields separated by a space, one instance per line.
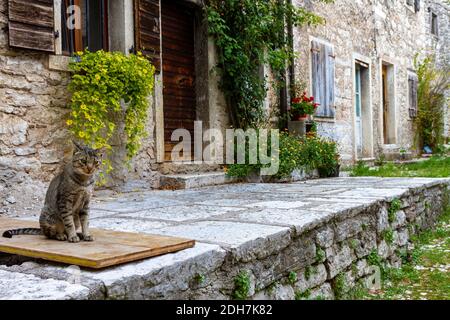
x=86 y=161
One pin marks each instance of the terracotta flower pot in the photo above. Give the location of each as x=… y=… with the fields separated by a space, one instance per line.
x=300 y=117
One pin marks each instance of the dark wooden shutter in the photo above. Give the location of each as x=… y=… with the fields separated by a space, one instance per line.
x=148 y=30
x=31 y=25
x=323 y=78
x=416 y=5
x=412 y=89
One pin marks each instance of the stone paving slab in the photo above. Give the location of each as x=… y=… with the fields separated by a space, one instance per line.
x=184 y=213
x=240 y=222
x=19 y=286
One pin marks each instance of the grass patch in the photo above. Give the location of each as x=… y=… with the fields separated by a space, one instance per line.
x=427 y=274
x=303 y=295
x=242 y=286
x=435 y=167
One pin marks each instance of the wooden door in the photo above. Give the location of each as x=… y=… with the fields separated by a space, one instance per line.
x=178 y=64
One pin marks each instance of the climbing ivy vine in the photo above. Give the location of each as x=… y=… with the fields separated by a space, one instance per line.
x=249 y=34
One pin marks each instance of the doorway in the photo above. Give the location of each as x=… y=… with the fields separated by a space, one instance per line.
x=363 y=114
x=388 y=83
x=178 y=66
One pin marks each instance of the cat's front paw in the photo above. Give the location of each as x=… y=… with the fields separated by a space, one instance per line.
x=88 y=237
x=74 y=239
x=61 y=237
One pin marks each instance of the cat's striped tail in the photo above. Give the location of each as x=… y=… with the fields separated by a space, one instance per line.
x=16 y=232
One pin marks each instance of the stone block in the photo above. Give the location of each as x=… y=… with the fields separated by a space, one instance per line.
x=325 y=237
x=338 y=258
x=310 y=277
x=19 y=286
x=401 y=237
x=322 y=292
x=399 y=220
x=382 y=220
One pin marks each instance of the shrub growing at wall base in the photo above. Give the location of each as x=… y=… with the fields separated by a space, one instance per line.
x=431 y=102
x=311 y=152
x=101 y=81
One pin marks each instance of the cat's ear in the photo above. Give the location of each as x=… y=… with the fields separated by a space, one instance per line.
x=77 y=148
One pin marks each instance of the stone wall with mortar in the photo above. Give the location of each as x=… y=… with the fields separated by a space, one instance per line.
x=33 y=138
x=380 y=31
x=330 y=258
x=32 y=108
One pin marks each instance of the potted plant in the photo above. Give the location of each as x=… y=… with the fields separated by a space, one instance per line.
x=302 y=106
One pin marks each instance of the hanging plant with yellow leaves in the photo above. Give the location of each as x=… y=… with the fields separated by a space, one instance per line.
x=100 y=83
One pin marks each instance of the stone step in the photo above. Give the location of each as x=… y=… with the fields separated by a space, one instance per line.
x=194 y=180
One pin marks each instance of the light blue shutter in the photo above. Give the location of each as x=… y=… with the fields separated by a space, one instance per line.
x=323 y=78
x=329 y=81
x=317 y=76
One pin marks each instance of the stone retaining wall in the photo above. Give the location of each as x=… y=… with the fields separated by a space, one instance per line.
x=327 y=260
x=279 y=252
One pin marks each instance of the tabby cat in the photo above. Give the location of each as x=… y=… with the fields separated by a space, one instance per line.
x=67 y=200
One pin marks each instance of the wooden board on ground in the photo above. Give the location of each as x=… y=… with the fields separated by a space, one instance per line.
x=109 y=248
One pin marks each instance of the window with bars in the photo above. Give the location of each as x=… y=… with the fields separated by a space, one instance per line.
x=84 y=25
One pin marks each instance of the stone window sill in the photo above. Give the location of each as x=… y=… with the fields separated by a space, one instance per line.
x=323 y=119
x=59 y=63
x=411 y=8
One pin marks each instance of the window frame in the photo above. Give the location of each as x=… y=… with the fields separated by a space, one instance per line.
x=326 y=112
x=434 y=23
x=77 y=35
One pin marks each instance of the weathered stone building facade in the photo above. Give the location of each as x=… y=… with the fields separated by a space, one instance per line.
x=372 y=36
x=34 y=97
x=374 y=44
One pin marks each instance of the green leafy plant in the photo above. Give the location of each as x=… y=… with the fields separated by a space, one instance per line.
x=320 y=254
x=394 y=206
x=340 y=286
x=380 y=160
x=302 y=295
x=292 y=277
x=374 y=259
x=241 y=285
x=388 y=236
x=101 y=81
x=319 y=153
x=199 y=278
x=433 y=82
x=329 y=158
x=308 y=272
x=248 y=34
x=289 y=159
x=308 y=153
